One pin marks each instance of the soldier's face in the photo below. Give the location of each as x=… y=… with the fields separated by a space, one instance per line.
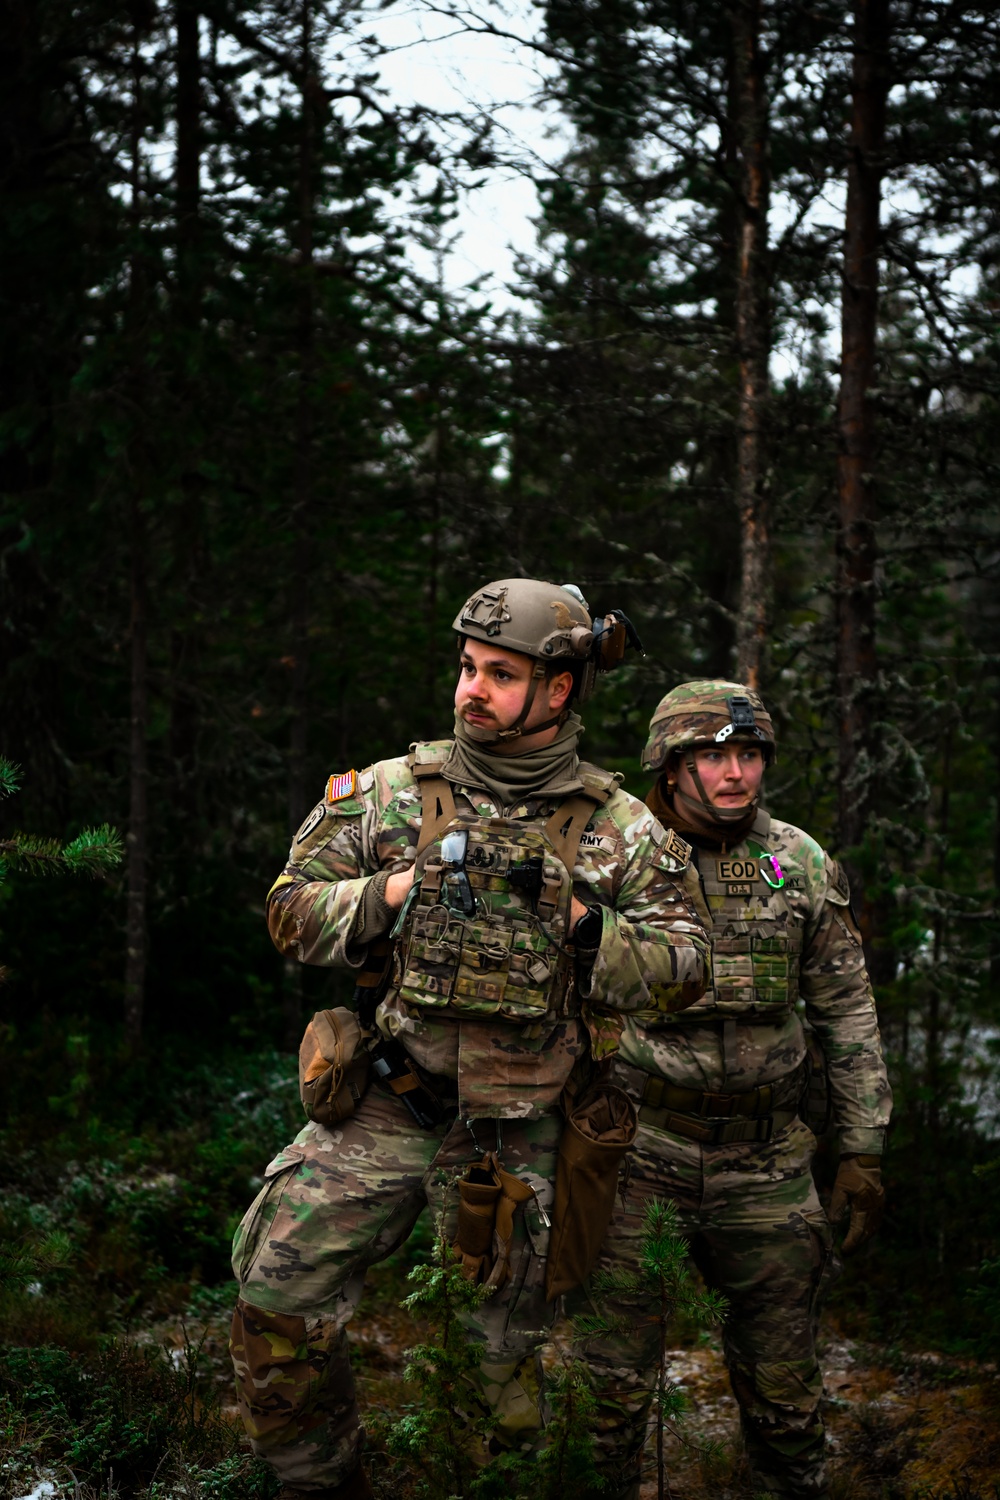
x=731 y=775
x=493 y=683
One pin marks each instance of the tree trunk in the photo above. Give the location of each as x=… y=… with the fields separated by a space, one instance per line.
x=136 y=937
x=857 y=665
x=753 y=340
x=302 y=501
x=188 y=528
x=188 y=159
x=138 y=819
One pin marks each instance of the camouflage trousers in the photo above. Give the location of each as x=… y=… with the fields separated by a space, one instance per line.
x=759 y=1235
x=336 y=1201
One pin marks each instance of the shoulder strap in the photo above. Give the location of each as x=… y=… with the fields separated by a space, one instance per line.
x=437 y=802
x=761 y=825
x=564 y=828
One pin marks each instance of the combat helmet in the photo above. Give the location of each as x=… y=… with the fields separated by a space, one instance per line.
x=708 y=712
x=551 y=623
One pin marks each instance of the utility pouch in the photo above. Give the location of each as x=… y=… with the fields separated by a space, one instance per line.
x=599 y=1130
x=334 y=1066
x=488 y=1198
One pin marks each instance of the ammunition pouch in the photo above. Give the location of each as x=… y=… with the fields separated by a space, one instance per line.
x=334 y=1066
x=486 y=932
x=488 y=1198
x=600 y=1128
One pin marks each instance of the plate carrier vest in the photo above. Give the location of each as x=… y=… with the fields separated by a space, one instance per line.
x=755 y=958
x=509 y=959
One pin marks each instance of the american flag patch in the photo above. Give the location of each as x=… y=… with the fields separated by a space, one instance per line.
x=339 y=787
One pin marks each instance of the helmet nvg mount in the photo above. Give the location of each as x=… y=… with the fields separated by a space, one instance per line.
x=706 y=714
x=551 y=623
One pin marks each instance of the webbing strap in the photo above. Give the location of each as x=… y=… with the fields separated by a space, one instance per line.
x=437 y=804
x=564 y=828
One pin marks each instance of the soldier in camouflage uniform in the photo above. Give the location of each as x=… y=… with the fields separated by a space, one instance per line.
x=719 y=1086
x=532 y=903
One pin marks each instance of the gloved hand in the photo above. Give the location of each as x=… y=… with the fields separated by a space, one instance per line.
x=858 y=1186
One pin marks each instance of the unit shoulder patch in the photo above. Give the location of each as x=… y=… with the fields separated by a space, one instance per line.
x=311 y=823
x=838 y=888
x=676 y=847
x=339 y=788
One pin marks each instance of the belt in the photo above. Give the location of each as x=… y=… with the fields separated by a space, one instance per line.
x=751 y=1104
x=718 y=1119
x=716 y=1132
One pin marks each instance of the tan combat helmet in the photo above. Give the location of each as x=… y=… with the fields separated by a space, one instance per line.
x=708 y=712
x=549 y=622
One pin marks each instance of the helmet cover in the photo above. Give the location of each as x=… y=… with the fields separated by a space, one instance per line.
x=706 y=712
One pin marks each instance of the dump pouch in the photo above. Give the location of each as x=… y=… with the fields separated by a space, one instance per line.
x=334 y=1066
x=488 y=1198
x=600 y=1128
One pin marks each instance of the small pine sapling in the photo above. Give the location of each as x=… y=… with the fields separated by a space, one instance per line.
x=440 y=1435
x=658 y=1290
x=435 y=1437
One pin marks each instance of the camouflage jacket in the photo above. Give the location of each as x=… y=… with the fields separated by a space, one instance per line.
x=651 y=955
x=722 y=1047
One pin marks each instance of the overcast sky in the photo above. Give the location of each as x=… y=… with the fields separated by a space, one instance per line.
x=434 y=61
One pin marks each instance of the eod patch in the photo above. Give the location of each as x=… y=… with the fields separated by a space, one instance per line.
x=738 y=874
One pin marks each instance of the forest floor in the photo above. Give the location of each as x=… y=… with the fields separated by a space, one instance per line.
x=902 y=1426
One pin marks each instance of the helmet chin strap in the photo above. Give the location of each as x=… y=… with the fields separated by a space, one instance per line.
x=717 y=814
x=515 y=730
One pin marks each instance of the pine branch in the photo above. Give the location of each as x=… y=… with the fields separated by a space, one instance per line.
x=27 y=852
x=95 y=851
x=9 y=774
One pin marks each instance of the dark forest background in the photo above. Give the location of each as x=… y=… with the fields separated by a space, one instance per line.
x=251 y=462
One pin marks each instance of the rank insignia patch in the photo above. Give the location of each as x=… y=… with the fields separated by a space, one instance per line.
x=339 y=787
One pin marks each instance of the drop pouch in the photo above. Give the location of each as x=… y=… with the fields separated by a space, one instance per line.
x=334 y=1066
x=599 y=1131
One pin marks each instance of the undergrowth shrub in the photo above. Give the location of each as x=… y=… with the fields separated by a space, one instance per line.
x=130 y=1420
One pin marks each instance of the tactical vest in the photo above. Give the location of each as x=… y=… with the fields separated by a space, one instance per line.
x=508 y=957
x=756 y=934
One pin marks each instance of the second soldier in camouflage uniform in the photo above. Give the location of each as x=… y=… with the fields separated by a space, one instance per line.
x=719 y=1086
x=548 y=903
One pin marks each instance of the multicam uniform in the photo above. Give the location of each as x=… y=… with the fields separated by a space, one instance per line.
x=500 y=1022
x=719 y=1090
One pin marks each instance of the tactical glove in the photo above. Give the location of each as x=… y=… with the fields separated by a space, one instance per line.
x=858 y=1186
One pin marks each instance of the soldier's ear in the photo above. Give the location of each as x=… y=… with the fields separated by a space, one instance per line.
x=560 y=689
